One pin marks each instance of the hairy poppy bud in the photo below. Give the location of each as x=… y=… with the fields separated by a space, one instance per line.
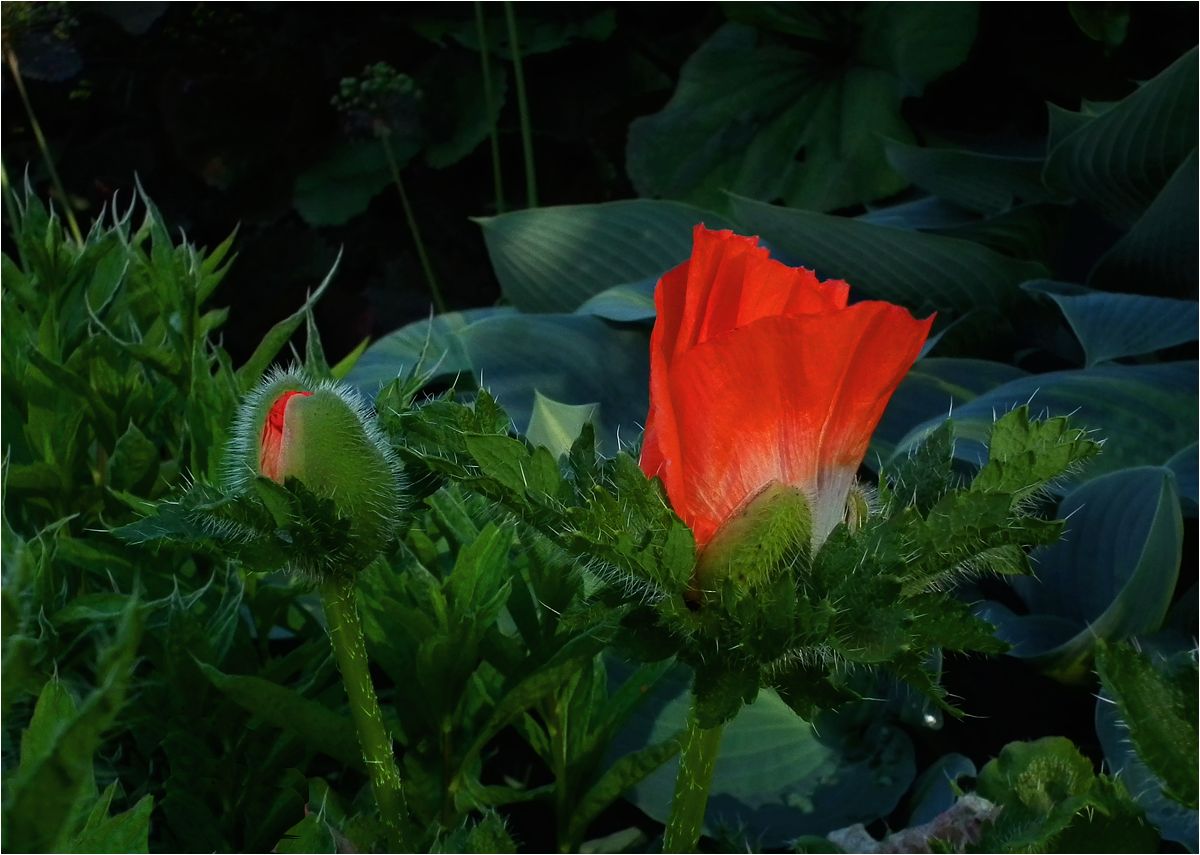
x=322 y=435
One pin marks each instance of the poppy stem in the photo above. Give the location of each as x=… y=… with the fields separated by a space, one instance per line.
x=345 y=634
x=696 y=764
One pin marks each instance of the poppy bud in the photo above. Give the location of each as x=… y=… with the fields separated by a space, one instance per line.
x=322 y=435
x=770 y=532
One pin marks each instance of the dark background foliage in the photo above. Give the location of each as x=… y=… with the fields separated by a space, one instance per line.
x=218 y=108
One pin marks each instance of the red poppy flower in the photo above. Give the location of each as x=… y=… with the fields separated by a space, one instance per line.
x=762 y=375
x=273 y=445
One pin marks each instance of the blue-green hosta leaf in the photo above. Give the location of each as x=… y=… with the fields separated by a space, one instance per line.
x=984 y=183
x=422 y=345
x=554 y=259
x=1185 y=464
x=1111 y=576
x=921 y=271
x=934 y=791
x=1119 y=160
x=1144 y=413
x=926 y=213
x=761 y=117
x=1111 y=326
x=1159 y=253
x=776 y=776
x=633 y=301
x=555 y=425
x=573 y=359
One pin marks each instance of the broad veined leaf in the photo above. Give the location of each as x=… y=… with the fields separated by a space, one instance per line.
x=1119 y=160
x=755 y=115
x=554 y=259
x=778 y=776
x=1185 y=464
x=921 y=271
x=432 y=345
x=1159 y=253
x=984 y=183
x=1144 y=413
x=573 y=359
x=633 y=301
x=1111 y=326
x=1111 y=576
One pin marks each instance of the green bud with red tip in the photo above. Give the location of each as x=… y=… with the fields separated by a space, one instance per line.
x=322 y=436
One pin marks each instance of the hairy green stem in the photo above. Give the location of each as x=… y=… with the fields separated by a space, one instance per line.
x=531 y=197
x=489 y=98
x=43 y=146
x=696 y=763
x=346 y=636
x=430 y=279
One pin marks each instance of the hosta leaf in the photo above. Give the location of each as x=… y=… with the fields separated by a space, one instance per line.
x=921 y=271
x=554 y=259
x=1112 y=326
x=1122 y=158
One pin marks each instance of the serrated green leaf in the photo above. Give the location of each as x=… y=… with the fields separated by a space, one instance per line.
x=125 y=832
x=626 y=772
x=1159 y=708
x=1024 y=455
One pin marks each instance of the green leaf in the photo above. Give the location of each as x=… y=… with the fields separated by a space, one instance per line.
x=279 y=335
x=311 y=834
x=125 y=832
x=1173 y=821
x=1102 y=22
x=1052 y=801
x=1112 y=326
x=1025 y=455
x=626 y=772
x=1159 y=251
x=554 y=259
x=756 y=116
x=556 y=426
x=340 y=187
x=43 y=795
x=984 y=183
x=1111 y=576
x=1143 y=413
x=134 y=460
x=778 y=776
x=1122 y=158
x=1159 y=709
x=317 y=725
x=918 y=270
